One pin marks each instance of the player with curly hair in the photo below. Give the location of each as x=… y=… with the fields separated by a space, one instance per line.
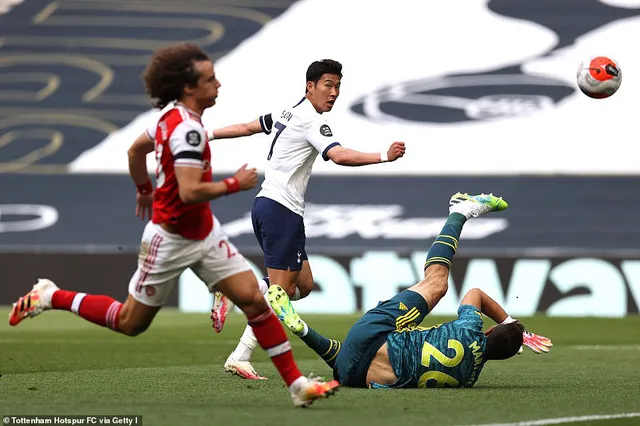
x=182 y=232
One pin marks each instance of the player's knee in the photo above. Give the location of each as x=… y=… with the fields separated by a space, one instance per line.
x=287 y=282
x=304 y=289
x=441 y=288
x=250 y=297
x=132 y=328
x=297 y=291
x=257 y=300
x=437 y=279
x=435 y=289
x=253 y=305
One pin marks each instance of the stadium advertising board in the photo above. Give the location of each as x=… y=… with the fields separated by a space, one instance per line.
x=562 y=286
x=524 y=286
x=343 y=215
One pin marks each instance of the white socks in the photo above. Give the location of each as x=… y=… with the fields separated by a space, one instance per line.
x=305 y=330
x=248 y=344
x=296 y=295
x=263 y=286
x=297 y=384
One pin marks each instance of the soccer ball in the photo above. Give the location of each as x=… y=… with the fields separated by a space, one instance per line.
x=599 y=77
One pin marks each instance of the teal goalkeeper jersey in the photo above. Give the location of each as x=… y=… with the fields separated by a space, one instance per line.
x=445 y=355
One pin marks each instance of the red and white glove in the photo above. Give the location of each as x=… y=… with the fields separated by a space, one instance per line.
x=537 y=344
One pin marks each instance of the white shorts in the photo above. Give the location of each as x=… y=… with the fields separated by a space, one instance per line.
x=163 y=257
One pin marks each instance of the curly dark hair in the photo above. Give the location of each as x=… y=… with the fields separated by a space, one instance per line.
x=170 y=70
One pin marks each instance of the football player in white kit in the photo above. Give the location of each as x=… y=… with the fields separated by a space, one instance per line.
x=300 y=133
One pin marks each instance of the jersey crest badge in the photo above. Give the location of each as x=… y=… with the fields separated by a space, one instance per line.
x=193 y=138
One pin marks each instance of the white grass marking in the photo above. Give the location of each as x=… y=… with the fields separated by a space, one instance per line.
x=562 y=420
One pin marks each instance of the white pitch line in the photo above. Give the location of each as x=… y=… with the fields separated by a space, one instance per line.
x=605 y=347
x=561 y=420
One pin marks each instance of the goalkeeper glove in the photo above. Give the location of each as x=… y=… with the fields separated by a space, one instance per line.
x=536 y=343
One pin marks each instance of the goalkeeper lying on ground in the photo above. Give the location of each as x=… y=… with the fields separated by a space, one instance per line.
x=386 y=348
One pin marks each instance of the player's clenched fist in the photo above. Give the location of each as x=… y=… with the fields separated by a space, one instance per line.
x=247 y=178
x=396 y=150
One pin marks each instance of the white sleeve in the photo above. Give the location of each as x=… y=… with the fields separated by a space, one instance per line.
x=319 y=134
x=266 y=122
x=187 y=143
x=151 y=129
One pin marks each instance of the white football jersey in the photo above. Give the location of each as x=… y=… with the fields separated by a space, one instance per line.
x=299 y=135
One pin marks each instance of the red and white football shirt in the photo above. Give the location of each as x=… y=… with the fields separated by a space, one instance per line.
x=180 y=141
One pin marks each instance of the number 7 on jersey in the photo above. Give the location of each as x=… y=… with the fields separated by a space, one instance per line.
x=278 y=125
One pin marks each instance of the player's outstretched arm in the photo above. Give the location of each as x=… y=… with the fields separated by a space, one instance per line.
x=260 y=125
x=350 y=157
x=493 y=310
x=487 y=305
x=192 y=190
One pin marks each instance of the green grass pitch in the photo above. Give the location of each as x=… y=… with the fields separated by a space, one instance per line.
x=172 y=375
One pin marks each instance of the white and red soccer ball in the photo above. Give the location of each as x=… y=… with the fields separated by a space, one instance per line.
x=599 y=77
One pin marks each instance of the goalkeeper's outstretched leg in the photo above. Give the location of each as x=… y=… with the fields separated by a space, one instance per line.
x=432 y=288
x=327 y=349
